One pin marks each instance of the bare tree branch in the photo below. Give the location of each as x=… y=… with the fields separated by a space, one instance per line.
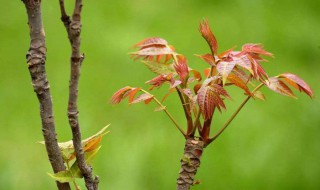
x=73 y=28
x=36 y=58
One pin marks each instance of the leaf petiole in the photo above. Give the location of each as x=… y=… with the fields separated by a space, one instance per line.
x=166 y=111
x=73 y=179
x=234 y=114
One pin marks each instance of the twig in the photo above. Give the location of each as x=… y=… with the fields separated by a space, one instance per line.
x=73 y=28
x=167 y=112
x=205 y=133
x=234 y=115
x=186 y=108
x=36 y=57
x=64 y=17
x=197 y=122
x=72 y=176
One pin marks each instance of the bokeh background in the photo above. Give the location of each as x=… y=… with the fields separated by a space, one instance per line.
x=271 y=145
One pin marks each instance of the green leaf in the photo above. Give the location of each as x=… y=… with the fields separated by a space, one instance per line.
x=62 y=177
x=159 y=68
x=90 y=144
x=75 y=170
x=259 y=95
x=160 y=108
x=88 y=157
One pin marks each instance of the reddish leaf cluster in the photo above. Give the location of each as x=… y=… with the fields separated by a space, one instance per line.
x=151 y=48
x=161 y=79
x=209 y=97
x=276 y=84
x=208 y=36
x=181 y=68
x=229 y=68
x=130 y=93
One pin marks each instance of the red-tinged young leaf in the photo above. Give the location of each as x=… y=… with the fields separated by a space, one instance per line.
x=187 y=92
x=259 y=95
x=174 y=83
x=225 y=68
x=191 y=97
x=132 y=93
x=208 y=58
x=261 y=72
x=150 y=42
x=168 y=93
x=160 y=108
x=207 y=72
x=255 y=48
x=148 y=100
x=151 y=52
x=158 y=58
x=245 y=63
x=196 y=74
x=218 y=102
x=280 y=87
x=159 y=80
x=119 y=95
x=209 y=80
x=168 y=57
x=143 y=97
x=258 y=70
x=234 y=79
x=154 y=50
x=208 y=97
x=181 y=68
x=197 y=87
x=89 y=144
x=159 y=68
x=220 y=90
x=206 y=101
x=297 y=83
x=208 y=36
x=241 y=74
x=226 y=53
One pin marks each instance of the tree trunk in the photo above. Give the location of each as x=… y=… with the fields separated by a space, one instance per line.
x=190 y=163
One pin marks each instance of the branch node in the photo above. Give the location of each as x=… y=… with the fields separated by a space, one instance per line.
x=96 y=182
x=75 y=28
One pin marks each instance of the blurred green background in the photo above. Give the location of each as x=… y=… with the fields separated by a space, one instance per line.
x=271 y=145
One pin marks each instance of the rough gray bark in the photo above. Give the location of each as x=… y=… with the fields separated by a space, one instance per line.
x=190 y=163
x=36 y=58
x=73 y=28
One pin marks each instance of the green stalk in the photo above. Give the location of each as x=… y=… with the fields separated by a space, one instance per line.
x=72 y=176
x=166 y=111
x=185 y=103
x=197 y=121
